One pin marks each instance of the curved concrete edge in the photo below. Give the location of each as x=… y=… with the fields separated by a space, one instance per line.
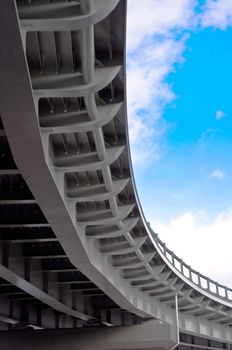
x=100 y=10
x=102 y=78
x=106 y=113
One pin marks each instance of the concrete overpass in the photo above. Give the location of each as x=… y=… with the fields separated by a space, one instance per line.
x=75 y=248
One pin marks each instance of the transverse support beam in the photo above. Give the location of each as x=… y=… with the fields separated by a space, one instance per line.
x=148 y=335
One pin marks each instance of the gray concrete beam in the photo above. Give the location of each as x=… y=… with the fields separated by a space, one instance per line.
x=146 y=336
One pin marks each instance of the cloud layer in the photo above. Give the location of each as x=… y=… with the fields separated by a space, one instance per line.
x=153 y=52
x=217 y=174
x=157 y=33
x=217 y=14
x=157 y=36
x=202 y=244
x=220 y=114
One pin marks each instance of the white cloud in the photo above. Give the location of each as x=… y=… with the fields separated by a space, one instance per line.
x=156 y=17
x=152 y=54
x=156 y=40
x=218 y=174
x=209 y=133
x=220 y=114
x=217 y=14
x=178 y=196
x=154 y=48
x=205 y=245
x=148 y=94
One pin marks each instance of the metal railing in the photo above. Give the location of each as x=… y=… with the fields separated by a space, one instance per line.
x=192 y=275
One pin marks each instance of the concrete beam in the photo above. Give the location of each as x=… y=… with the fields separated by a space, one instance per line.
x=148 y=335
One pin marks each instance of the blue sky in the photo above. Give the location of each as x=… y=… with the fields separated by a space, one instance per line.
x=180 y=115
x=196 y=143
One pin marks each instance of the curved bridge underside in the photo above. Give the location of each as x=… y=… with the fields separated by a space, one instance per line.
x=75 y=247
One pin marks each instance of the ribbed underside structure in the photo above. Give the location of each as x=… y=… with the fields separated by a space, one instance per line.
x=75 y=247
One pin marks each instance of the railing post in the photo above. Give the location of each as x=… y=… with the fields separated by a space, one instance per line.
x=181 y=267
x=165 y=249
x=199 y=280
x=173 y=259
x=217 y=290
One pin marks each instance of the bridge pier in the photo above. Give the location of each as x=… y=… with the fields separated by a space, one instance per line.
x=148 y=335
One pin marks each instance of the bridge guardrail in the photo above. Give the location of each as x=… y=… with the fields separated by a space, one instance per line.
x=192 y=275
